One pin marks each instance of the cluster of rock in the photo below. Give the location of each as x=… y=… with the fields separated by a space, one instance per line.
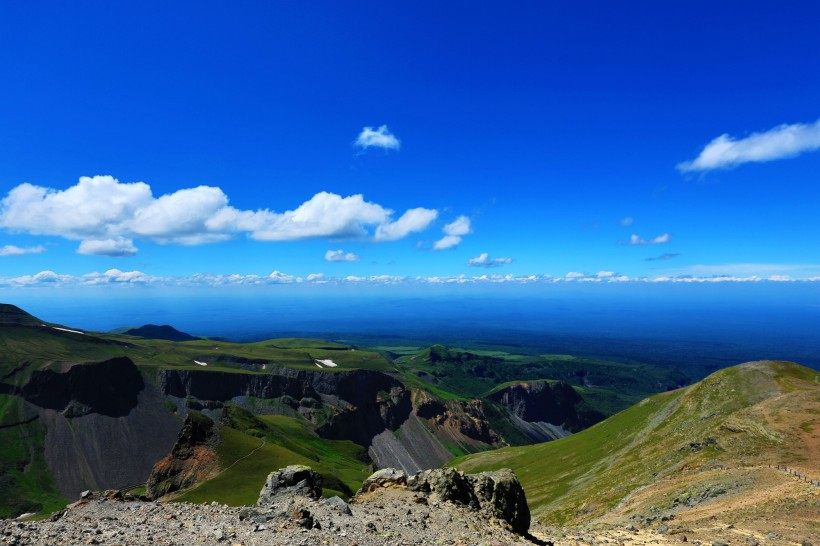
x=433 y=507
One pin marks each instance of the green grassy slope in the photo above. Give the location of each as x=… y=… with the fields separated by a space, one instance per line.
x=719 y=421
x=252 y=447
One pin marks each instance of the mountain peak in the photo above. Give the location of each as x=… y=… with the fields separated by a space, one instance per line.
x=11 y=314
x=165 y=331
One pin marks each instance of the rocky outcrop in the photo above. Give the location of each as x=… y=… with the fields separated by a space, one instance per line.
x=294 y=480
x=541 y=402
x=360 y=403
x=107 y=388
x=191 y=458
x=498 y=493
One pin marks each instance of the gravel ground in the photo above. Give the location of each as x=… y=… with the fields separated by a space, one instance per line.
x=387 y=517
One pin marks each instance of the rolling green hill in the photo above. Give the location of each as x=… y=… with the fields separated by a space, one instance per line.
x=664 y=454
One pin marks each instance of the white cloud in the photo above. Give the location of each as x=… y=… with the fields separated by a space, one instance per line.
x=340 y=256
x=115 y=277
x=779 y=142
x=448 y=241
x=12 y=250
x=283 y=278
x=377 y=138
x=636 y=240
x=100 y=210
x=413 y=220
x=627 y=221
x=484 y=260
x=324 y=215
x=453 y=233
x=108 y=247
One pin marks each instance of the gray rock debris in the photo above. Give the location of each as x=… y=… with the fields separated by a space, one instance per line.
x=294 y=479
x=497 y=493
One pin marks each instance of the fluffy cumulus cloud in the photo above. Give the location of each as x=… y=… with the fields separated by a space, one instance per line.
x=779 y=142
x=13 y=250
x=108 y=247
x=484 y=260
x=453 y=233
x=377 y=138
x=636 y=240
x=340 y=256
x=107 y=216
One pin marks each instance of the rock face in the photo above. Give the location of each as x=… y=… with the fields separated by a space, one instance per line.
x=107 y=388
x=191 y=457
x=294 y=479
x=497 y=493
x=556 y=404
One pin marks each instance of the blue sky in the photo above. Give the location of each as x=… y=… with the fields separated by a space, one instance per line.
x=423 y=142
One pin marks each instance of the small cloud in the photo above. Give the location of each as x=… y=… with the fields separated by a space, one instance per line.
x=108 y=247
x=626 y=221
x=780 y=142
x=377 y=138
x=282 y=278
x=453 y=233
x=484 y=260
x=12 y=250
x=663 y=257
x=340 y=256
x=417 y=219
x=636 y=240
x=315 y=277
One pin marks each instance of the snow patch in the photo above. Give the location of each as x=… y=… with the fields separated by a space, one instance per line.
x=329 y=363
x=67 y=330
x=200 y=363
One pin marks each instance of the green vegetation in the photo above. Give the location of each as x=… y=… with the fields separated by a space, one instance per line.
x=251 y=447
x=606 y=386
x=25 y=481
x=580 y=477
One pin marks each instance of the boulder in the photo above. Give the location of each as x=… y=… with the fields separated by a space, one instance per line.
x=501 y=493
x=386 y=477
x=294 y=479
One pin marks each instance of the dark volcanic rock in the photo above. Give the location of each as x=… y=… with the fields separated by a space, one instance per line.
x=538 y=401
x=373 y=401
x=108 y=388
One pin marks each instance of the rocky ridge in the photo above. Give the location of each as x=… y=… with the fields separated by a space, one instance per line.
x=438 y=507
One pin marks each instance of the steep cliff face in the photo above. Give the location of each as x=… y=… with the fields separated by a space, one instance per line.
x=540 y=402
x=105 y=426
x=358 y=404
x=107 y=388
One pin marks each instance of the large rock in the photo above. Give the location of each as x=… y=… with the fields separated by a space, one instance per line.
x=294 y=479
x=191 y=458
x=501 y=492
x=386 y=477
x=497 y=493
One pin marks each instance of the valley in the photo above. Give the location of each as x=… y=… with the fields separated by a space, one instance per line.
x=598 y=444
